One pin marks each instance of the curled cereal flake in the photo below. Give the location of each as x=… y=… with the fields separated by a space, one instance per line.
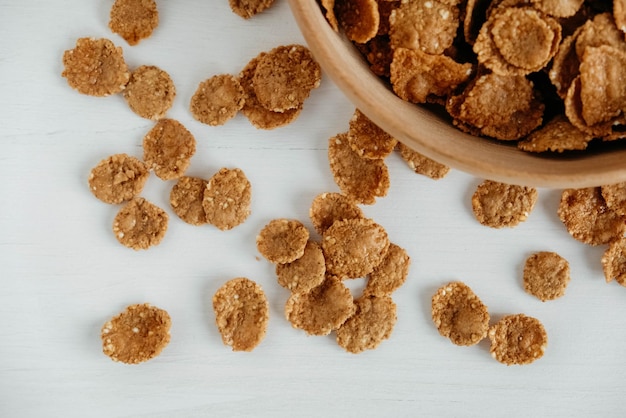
x=422 y=164
x=427 y=25
x=614 y=261
x=150 y=92
x=573 y=111
x=354 y=247
x=565 y=65
x=285 y=76
x=321 y=310
x=558 y=8
x=359 y=19
x=227 y=198
x=371 y=324
x=95 y=67
x=390 y=274
x=282 y=240
x=241 y=313
x=329 y=5
x=615 y=197
x=134 y=20
x=306 y=272
x=186 y=199
x=500 y=205
x=588 y=218
x=598 y=32
x=168 y=148
x=217 y=100
x=558 y=135
x=518 y=339
x=378 y=53
x=361 y=179
x=137 y=334
x=330 y=207
x=118 y=178
x=140 y=224
x=416 y=75
x=367 y=139
x=249 y=8
x=546 y=275
x=619 y=14
x=459 y=314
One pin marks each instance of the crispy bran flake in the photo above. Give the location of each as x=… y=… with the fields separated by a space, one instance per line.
x=140 y=224
x=546 y=275
x=150 y=92
x=367 y=139
x=330 y=207
x=134 y=20
x=227 y=198
x=118 y=178
x=186 y=199
x=168 y=148
x=614 y=261
x=217 y=100
x=558 y=135
x=500 y=205
x=390 y=274
x=372 y=323
x=306 y=272
x=615 y=197
x=95 y=67
x=422 y=164
x=459 y=314
x=241 y=313
x=249 y=8
x=359 y=19
x=518 y=339
x=282 y=240
x=558 y=8
x=137 y=334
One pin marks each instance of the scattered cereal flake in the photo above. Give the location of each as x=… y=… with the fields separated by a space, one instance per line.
x=140 y=224
x=186 y=199
x=241 y=313
x=390 y=274
x=546 y=275
x=378 y=53
x=150 y=92
x=329 y=5
x=330 y=207
x=361 y=179
x=95 y=67
x=227 y=198
x=558 y=135
x=614 y=261
x=354 y=247
x=371 y=324
x=134 y=20
x=359 y=19
x=321 y=310
x=217 y=99
x=137 y=334
x=558 y=8
x=168 y=148
x=500 y=205
x=422 y=164
x=285 y=76
x=459 y=314
x=619 y=14
x=518 y=339
x=367 y=139
x=282 y=240
x=118 y=178
x=588 y=218
x=249 y=8
x=306 y=272
x=615 y=197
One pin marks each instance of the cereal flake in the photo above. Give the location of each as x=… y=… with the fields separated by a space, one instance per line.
x=367 y=139
x=371 y=324
x=217 y=100
x=390 y=274
x=282 y=240
x=500 y=205
x=140 y=224
x=168 y=148
x=422 y=164
x=186 y=199
x=330 y=207
x=518 y=339
x=118 y=178
x=546 y=275
x=306 y=272
x=134 y=20
x=227 y=198
x=150 y=92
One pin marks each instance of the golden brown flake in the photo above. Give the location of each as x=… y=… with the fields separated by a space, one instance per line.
x=282 y=240
x=367 y=139
x=137 y=334
x=330 y=207
x=546 y=275
x=558 y=135
x=306 y=272
x=371 y=324
x=217 y=100
x=249 y=8
x=359 y=19
x=500 y=205
x=599 y=31
x=558 y=8
x=150 y=92
x=168 y=148
x=573 y=111
x=390 y=274
x=614 y=261
x=95 y=67
x=140 y=224
x=118 y=178
x=227 y=198
x=134 y=20
x=186 y=199
x=615 y=197
x=518 y=339
x=565 y=65
x=241 y=313
x=329 y=5
x=422 y=164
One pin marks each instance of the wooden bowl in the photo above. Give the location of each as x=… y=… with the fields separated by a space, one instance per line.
x=436 y=137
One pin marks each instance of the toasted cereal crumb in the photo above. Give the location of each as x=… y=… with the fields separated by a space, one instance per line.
x=186 y=199
x=614 y=261
x=249 y=8
x=134 y=20
x=517 y=339
x=140 y=224
x=330 y=207
x=615 y=197
x=359 y=19
x=500 y=205
x=546 y=275
x=217 y=100
x=118 y=178
x=150 y=92
x=422 y=164
x=282 y=240
x=390 y=274
x=306 y=272
x=367 y=139
x=371 y=324
x=168 y=148
x=227 y=198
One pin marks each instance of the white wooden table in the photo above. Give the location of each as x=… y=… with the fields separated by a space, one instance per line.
x=63 y=274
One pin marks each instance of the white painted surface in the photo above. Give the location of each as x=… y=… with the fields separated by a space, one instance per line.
x=63 y=273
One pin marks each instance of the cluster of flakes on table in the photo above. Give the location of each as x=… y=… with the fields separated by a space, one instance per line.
x=249 y=8
x=270 y=91
x=460 y=315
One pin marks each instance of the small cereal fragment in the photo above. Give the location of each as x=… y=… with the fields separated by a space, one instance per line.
x=558 y=8
x=306 y=272
x=168 y=148
x=354 y=247
x=614 y=261
x=118 y=178
x=367 y=139
x=359 y=19
x=371 y=324
x=558 y=135
x=615 y=197
x=227 y=198
x=95 y=67
x=546 y=275
x=422 y=164
x=150 y=92
x=321 y=310
x=330 y=207
x=390 y=274
x=140 y=224
x=282 y=240
x=619 y=14
x=285 y=76
x=186 y=199
x=217 y=100
x=137 y=334
x=587 y=217
x=249 y=8
x=329 y=5
x=134 y=20
x=500 y=205
x=459 y=314
x=361 y=179
x=241 y=313
x=518 y=339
